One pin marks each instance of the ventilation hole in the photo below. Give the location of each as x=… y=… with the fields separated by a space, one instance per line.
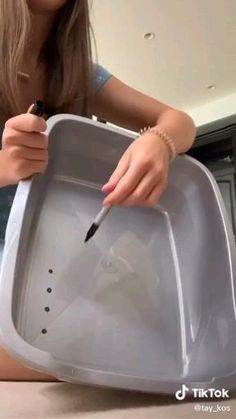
x=44 y=331
x=47 y=309
x=49 y=290
x=50 y=271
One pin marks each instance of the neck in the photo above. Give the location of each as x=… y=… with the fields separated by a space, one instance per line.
x=41 y=27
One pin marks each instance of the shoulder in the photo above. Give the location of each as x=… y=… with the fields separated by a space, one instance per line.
x=100 y=76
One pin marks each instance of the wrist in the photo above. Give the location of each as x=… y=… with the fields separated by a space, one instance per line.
x=165 y=148
x=164 y=138
x=3 y=180
x=160 y=146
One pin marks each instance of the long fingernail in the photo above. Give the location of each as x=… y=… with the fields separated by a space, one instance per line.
x=105 y=186
x=106 y=203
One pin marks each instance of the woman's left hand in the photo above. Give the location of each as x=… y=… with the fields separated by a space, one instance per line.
x=141 y=174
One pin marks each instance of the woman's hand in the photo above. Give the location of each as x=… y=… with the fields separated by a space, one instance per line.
x=141 y=175
x=24 y=148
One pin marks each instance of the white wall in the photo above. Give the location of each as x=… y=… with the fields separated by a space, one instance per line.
x=212 y=111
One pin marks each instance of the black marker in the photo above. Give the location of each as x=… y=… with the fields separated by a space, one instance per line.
x=38 y=108
x=97 y=222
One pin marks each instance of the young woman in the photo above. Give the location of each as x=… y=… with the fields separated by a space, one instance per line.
x=45 y=53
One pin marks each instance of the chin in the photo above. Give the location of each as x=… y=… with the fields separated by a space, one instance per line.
x=45 y=6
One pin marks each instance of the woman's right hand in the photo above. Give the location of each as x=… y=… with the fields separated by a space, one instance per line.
x=24 y=148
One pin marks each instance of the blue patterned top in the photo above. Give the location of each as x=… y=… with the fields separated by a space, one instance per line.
x=7 y=193
x=101 y=76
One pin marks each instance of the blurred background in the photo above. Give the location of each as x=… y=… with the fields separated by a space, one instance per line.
x=181 y=52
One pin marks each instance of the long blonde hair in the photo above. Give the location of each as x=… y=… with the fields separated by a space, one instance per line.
x=68 y=56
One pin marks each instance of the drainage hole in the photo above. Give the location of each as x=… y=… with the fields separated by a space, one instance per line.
x=49 y=290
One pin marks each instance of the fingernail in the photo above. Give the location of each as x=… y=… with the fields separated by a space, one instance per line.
x=108 y=188
x=31 y=107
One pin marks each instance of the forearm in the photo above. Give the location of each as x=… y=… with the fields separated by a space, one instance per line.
x=179 y=127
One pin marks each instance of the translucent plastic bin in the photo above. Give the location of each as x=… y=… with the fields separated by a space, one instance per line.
x=148 y=303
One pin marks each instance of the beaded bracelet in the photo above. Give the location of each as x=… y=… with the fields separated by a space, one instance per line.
x=167 y=140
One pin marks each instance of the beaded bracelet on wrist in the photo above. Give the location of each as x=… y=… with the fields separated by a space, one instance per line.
x=167 y=140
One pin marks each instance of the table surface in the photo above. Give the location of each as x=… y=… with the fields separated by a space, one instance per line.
x=66 y=401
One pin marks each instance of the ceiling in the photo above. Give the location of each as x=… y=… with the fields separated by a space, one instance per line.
x=194 y=47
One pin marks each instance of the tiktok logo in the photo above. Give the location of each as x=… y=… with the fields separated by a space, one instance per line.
x=181 y=394
x=201 y=393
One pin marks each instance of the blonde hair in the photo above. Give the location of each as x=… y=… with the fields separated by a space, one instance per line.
x=67 y=53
